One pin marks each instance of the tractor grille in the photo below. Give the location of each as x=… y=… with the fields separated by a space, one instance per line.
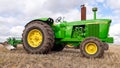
x=93 y=30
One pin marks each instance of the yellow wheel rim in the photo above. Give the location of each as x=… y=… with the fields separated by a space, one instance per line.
x=91 y=48
x=35 y=38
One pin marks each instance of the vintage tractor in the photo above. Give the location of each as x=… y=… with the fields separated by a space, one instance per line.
x=41 y=36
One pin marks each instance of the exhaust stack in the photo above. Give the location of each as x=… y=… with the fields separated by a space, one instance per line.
x=83 y=12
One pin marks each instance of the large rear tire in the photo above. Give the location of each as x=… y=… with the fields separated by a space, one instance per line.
x=38 y=38
x=92 y=48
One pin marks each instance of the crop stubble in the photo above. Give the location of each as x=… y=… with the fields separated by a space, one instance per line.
x=68 y=58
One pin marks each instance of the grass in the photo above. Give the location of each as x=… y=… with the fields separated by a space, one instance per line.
x=68 y=58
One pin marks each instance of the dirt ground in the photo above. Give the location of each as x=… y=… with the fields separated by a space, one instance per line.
x=68 y=58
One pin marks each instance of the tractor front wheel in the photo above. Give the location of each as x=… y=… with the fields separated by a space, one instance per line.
x=38 y=38
x=92 y=48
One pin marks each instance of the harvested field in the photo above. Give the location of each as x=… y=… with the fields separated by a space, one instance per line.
x=68 y=58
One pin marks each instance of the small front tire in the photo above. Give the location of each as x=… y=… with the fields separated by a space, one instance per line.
x=92 y=48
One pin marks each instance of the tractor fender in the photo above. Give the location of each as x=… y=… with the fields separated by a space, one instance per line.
x=49 y=21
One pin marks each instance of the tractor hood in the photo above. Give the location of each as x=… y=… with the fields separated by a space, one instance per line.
x=84 y=22
x=104 y=25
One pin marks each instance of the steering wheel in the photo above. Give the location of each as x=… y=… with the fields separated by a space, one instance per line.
x=58 y=19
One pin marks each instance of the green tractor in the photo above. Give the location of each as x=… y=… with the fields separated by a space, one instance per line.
x=41 y=36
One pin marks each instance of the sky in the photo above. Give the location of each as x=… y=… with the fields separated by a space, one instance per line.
x=14 y=14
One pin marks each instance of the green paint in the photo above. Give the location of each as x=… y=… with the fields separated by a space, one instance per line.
x=94 y=10
x=72 y=32
x=42 y=19
x=14 y=41
x=75 y=32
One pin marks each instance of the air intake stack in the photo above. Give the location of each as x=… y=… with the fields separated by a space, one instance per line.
x=94 y=10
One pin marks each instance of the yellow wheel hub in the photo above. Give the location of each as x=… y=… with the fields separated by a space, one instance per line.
x=35 y=38
x=91 y=48
x=70 y=46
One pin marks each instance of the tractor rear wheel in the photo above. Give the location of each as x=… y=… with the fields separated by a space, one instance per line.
x=92 y=48
x=58 y=47
x=38 y=38
x=105 y=46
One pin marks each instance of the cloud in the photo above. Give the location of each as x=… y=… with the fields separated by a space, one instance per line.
x=63 y=6
x=113 y=4
x=16 y=31
x=10 y=8
x=101 y=1
x=115 y=32
x=4 y=30
x=14 y=14
x=9 y=21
